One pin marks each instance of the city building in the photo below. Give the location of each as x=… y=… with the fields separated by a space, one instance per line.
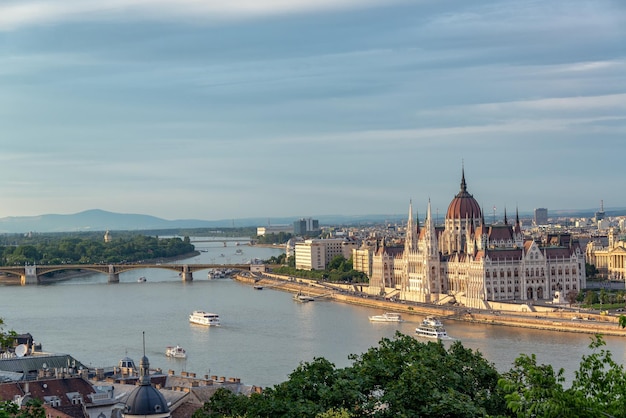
x=471 y=262
x=610 y=260
x=541 y=216
x=274 y=229
x=315 y=254
x=306 y=226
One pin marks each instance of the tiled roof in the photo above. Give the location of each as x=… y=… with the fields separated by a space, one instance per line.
x=558 y=252
x=505 y=254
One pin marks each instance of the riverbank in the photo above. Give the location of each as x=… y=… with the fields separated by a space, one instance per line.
x=553 y=319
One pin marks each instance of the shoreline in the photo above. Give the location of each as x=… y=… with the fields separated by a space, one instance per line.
x=555 y=320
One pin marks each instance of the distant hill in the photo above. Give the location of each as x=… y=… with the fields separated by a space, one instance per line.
x=100 y=220
x=96 y=220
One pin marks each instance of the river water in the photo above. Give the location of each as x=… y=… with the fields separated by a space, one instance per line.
x=264 y=333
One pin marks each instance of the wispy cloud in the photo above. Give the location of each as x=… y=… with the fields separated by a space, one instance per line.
x=17 y=14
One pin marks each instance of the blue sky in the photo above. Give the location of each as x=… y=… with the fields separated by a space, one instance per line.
x=251 y=108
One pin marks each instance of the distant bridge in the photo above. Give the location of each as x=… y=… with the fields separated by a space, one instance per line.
x=34 y=274
x=224 y=240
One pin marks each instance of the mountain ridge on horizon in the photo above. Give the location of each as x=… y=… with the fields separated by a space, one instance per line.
x=101 y=220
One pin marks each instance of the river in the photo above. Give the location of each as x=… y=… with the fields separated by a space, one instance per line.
x=264 y=333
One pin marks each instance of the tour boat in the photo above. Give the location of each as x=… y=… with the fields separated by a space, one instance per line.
x=142 y=279
x=387 y=317
x=432 y=321
x=175 y=351
x=204 y=318
x=427 y=329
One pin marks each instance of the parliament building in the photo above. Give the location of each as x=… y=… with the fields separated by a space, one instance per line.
x=468 y=261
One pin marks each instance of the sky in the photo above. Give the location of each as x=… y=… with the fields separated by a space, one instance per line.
x=186 y=109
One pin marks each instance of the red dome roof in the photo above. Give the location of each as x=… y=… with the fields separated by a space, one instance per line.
x=463 y=206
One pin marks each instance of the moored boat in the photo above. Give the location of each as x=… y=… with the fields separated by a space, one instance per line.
x=300 y=297
x=175 y=351
x=204 y=318
x=387 y=317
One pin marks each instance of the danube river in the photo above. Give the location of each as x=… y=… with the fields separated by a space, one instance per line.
x=264 y=333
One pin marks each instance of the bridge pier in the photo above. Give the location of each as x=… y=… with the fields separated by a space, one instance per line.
x=29 y=276
x=186 y=274
x=113 y=276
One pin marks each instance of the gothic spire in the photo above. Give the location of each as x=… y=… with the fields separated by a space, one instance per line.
x=506 y=221
x=409 y=236
x=463 y=184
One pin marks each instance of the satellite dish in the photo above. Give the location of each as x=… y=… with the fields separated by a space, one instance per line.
x=21 y=350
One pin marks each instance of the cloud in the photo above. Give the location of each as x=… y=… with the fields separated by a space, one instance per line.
x=18 y=14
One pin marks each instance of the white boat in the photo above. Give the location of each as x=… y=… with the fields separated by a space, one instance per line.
x=387 y=317
x=299 y=297
x=142 y=279
x=428 y=331
x=175 y=351
x=431 y=327
x=432 y=321
x=204 y=318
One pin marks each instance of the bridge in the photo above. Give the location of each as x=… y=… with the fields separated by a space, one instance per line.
x=245 y=241
x=35 y=274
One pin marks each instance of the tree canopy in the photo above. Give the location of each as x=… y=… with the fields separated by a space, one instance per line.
x=403 y=377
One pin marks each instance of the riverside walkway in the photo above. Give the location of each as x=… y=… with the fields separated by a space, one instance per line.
x=547 y=318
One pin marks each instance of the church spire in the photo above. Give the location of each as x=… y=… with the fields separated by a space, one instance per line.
x=144 y=365
x=506 y=221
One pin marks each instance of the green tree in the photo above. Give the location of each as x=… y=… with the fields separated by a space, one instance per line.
x=571 y=297
x=590 y=270
x=7 y=338
x=598 y=389
x=337 y=263
x=591 y=297
x=32 y=409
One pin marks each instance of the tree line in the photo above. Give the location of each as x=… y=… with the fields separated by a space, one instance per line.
x=67 y=249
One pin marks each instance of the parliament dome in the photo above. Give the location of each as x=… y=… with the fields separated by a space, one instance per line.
x=463 y=206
